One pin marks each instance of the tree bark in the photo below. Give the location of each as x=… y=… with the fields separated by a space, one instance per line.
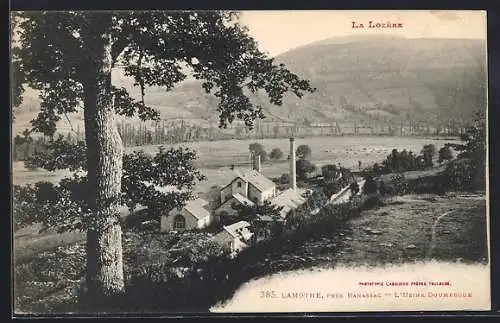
x=105 y=278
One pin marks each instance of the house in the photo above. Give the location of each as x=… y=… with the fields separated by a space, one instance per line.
x=229 y=209
x=289 y=199
x=252 y=185
x=194 y=215
x=236 y=237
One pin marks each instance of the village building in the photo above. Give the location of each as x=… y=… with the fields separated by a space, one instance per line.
x=229 y=209
x=236 y=237
x=289 y=200
x=247 y=188
x=253 y=188
x=194 y=215
x=252 y=185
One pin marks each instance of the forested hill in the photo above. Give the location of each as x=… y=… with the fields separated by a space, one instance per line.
x=370 y=80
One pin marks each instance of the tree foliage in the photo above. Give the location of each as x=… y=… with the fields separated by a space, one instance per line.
x=154 y=48
x=303 y=168
x=445 y=154
x=304 y=152
x=428 y=153
x=330 y=172
x=370 y=186
x=276 y=154
x=69 y=56
x=160 y=182
x=468 y=171
x=258 y=150
x=474 y=140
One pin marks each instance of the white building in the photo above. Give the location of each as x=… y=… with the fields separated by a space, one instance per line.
x=236 y=237
x=289 y=200
x=194 y=215
x=247 y=188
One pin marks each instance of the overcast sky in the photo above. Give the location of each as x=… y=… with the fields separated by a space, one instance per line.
x=279 y=31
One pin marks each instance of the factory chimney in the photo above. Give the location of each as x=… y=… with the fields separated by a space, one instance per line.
x=257 y=162
x=293 y=175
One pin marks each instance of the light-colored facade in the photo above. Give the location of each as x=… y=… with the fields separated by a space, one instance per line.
x=194 y=215
x=252 y=185
x=228 y=208
x=236 y=237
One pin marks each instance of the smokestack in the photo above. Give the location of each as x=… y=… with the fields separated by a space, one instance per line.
x=251 y=161
x=293 y=175
x=257 y=162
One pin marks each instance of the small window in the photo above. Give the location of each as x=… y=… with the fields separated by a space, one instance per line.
x=179 y=222
x=239 y=184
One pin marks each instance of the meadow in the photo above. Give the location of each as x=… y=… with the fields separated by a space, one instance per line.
x=216 y=157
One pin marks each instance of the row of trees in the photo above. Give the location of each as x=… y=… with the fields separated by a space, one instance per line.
x=465 y=171
x=401 y=161
x=302 y=152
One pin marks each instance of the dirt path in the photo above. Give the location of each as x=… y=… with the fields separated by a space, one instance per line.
x=433 y=234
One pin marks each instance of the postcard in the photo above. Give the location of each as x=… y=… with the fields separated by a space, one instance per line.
x=249 y=162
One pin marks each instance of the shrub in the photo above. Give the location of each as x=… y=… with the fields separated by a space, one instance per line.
x=400 y=185
x=276 y=154
x=303 y=152
x=370 y=186
x=332 y=187
x=459 y=174
x=304 y=168
x=428 y=153
x=257 y=149
x=445 y=154
x=330 y=172
x=284 y=179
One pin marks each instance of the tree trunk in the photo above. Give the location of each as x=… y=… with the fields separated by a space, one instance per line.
x=105 y=278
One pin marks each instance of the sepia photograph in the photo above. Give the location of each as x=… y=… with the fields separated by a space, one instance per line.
x=249 y=161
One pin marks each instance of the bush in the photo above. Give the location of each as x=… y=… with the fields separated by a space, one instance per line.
x=304 y=168
x=332 y=187
x=400 y=185
x=428 y=153
x=401 y=161
x=460 y=175
x=445 y=154
x=370 y=186
x=276 y=154
x=284 y=179
x=258 y=149
x=165 y=271
x=330 y=172
x=303 y=152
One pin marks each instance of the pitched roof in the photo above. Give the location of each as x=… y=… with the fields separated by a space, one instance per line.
x=258 y=180
x=242 y=199
x=197 y=208
x=289 y=199
x=239 y=230
x=267 y=218
x=165 y=189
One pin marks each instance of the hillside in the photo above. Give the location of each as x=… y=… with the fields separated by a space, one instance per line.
x=376 y=80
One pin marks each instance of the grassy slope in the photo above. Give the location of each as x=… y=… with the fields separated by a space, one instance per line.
x=407 y=221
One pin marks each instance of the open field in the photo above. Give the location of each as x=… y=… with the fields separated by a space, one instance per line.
x=215 y=157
